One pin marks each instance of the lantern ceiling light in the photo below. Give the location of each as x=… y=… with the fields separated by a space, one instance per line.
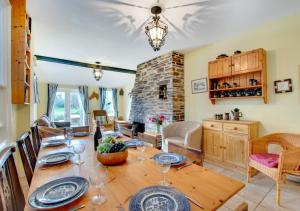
x=156 y=30
x=98 y=73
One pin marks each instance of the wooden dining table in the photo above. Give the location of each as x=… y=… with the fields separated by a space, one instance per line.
x=208 y=188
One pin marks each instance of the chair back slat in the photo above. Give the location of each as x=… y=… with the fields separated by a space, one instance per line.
x=28 y=156
x=100 y=113
x=11 y=194
x=36 y=138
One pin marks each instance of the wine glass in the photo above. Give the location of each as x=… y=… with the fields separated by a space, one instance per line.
x=98 y=181
x=69 y=135
x=79 y=148
x=141 y=148
x=163 y=166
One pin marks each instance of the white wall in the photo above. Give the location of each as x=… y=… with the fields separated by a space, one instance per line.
x=5 y=67
x=127 y=97
x=281 y=41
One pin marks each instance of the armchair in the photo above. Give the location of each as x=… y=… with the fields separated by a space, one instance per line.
x=184 y=138
x=102 y=117
x=187 y=134
x=276 y=166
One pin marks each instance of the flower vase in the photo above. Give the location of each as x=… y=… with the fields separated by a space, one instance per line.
x=158 y=128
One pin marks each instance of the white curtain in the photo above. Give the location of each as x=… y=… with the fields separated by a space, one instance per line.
x=84 y=96
x=52 y=89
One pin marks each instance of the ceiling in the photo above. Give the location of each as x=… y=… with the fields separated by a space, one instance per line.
x=112 y=31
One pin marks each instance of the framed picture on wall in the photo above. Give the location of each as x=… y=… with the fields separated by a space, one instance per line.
x=199 y=85
x=283 y=86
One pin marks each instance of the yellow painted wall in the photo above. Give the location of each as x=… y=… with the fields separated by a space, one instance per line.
x=20 y=120
x=281 y=41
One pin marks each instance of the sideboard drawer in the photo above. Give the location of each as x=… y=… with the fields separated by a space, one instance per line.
x=212 y=125
x=236 y=128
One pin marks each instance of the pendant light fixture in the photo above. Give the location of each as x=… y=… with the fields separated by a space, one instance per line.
x=156 y=30
x=98 y=73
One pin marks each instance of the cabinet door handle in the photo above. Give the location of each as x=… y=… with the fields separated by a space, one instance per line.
x=211 y=125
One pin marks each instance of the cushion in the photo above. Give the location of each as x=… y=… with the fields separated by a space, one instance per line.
x=102 y=120
x=267 y=159
x=175 y=140
x=45 y=122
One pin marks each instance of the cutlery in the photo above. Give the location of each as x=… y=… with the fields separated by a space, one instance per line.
x=195 y=202
x=181 y=167
x=77 y=208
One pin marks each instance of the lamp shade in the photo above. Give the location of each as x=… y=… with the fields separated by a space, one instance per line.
x=156 y=31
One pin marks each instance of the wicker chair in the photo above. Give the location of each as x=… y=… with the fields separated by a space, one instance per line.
x=288 y=160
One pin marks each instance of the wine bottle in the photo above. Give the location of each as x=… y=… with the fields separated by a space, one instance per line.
x=97 y=135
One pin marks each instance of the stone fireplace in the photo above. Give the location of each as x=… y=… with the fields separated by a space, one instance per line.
x=159 y=89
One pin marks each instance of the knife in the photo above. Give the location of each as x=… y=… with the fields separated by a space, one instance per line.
x=181 y=167
x=77 y=208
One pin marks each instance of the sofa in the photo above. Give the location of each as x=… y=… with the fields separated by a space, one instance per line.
x=47 y=128
x=187 y=134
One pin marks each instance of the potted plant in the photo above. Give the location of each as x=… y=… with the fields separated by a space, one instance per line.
x=111 y=152
x=158 y=120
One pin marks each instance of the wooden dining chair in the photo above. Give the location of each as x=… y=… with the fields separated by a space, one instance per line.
x=28 y=155
x=36 y=138
x=11 y=194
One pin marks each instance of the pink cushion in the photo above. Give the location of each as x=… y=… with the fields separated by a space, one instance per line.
x=266 y=159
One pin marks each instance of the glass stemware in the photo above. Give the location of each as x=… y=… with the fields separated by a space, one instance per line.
x=141 y=146
x=163 y=166
x=98 y=181
x=79 y=148
x=69 y=135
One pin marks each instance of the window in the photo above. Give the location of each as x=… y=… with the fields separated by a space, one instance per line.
x=68 y=107
x=109 y=104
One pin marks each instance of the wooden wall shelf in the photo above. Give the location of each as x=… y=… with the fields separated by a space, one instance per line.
x=229 y=77
x=21 y=54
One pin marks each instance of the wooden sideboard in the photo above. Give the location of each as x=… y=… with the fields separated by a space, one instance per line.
x=225 y=142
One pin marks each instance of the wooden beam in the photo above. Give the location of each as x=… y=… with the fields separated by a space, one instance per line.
x=82 y=64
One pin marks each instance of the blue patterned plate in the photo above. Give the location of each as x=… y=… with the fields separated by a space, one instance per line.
x=159 y=198
x=56 y=158
x=58 y=193
x=132 y=143
x=53 y=142
x=81 y=134
x=174 y=158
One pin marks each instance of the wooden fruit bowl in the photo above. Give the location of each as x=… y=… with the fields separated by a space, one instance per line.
x=112 y=158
